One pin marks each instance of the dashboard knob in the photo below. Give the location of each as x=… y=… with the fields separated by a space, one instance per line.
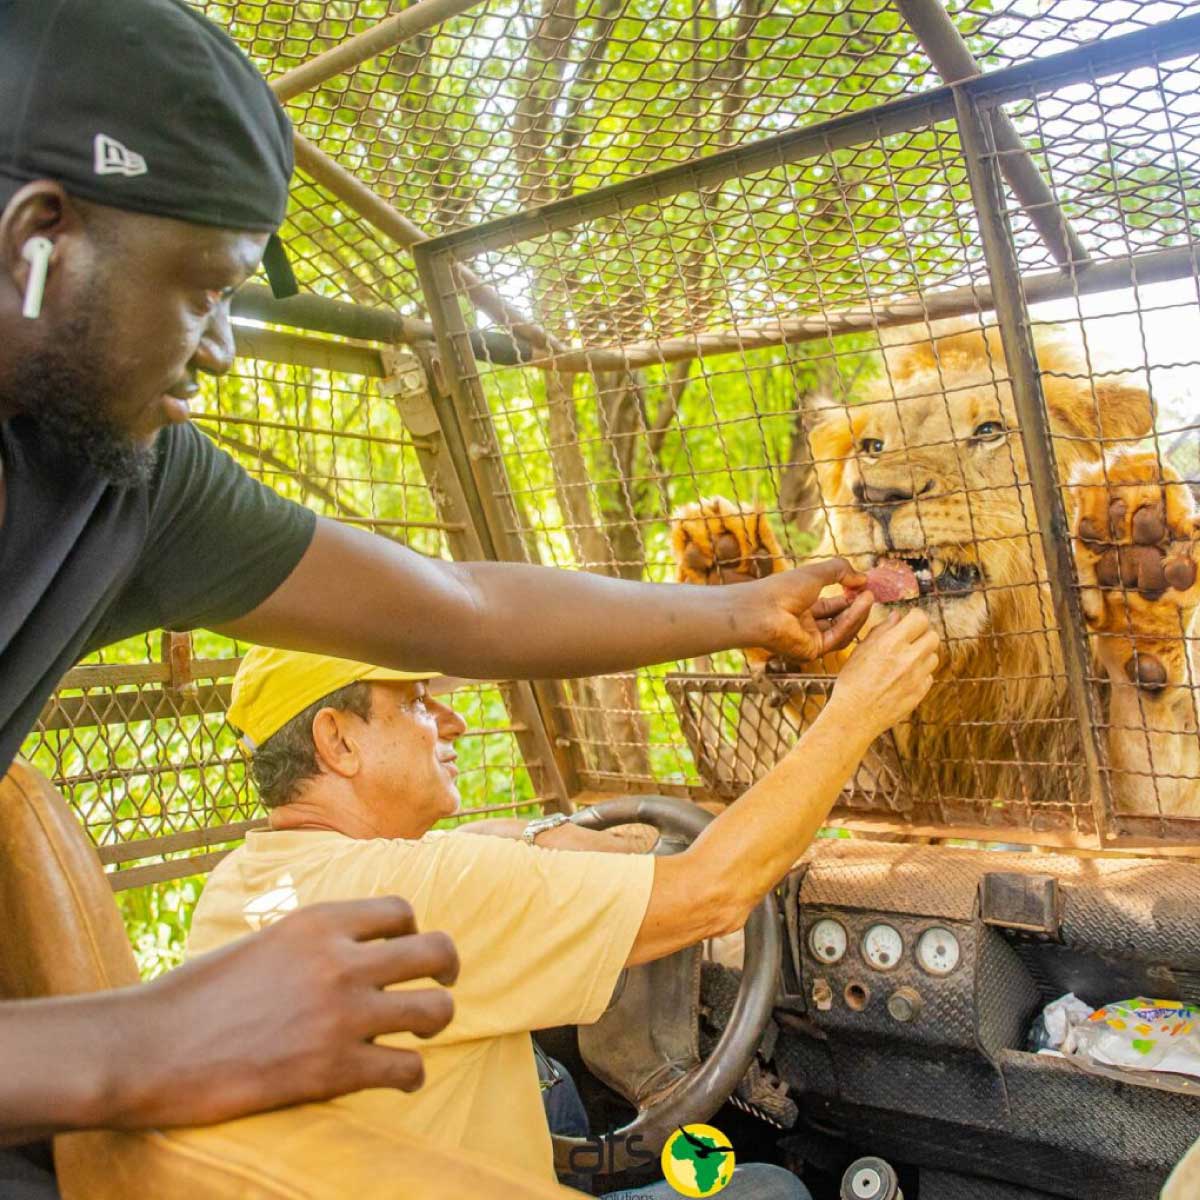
x=822 y=995
x=870 y=1179
x=904 y=1004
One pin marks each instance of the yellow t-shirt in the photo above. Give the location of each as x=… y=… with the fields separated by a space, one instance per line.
x=542 y=936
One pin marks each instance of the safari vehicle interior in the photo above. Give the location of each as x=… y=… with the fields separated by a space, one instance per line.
x=688 y=292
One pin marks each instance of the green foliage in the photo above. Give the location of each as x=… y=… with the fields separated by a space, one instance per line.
x=157 y=919
x=487 y=114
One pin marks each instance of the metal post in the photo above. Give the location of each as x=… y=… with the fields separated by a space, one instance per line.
x=953 y=61
x=317 y=314
x=410 y=383
x=470 y=489
x=416 y=19
x=1012 y=316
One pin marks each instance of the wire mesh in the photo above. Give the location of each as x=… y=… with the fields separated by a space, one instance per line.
x=703 y=318
x=141 y=748
x=508 y=106
x=1122 y=155
x=721 y=335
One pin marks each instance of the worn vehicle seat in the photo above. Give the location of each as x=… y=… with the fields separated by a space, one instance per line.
x=63 y=935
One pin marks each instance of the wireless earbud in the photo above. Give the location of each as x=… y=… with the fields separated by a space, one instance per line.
x=36 y=252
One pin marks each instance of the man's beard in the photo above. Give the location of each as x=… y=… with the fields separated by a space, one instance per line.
x=61 y=390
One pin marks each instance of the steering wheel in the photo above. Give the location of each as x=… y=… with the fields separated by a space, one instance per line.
x=645 y=1046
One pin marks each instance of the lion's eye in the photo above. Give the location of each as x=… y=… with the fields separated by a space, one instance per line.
x=989 y=431
x=871 y=446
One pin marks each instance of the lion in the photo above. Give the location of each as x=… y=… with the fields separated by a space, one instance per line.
x=930 y=469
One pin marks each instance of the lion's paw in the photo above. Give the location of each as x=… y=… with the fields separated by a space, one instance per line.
x=1136 y=533
x=715 y=541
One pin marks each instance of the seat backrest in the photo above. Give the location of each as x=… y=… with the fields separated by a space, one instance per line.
x=62 y=934
x=62 y=931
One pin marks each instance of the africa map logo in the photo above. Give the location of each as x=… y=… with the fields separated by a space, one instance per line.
x=698 y=1160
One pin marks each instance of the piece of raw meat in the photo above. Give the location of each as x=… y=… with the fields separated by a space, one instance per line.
x=893 y=580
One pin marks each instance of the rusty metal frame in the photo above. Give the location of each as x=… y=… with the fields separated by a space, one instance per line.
x=1016 y=335
x=990 y=92
x=470 y=453
x=974 y=104
x=435 y=424
x=954 y=62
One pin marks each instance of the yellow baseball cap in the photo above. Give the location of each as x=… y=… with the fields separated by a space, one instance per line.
x=272 y=686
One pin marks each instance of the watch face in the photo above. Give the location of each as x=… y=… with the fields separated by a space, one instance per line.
x=542 y=824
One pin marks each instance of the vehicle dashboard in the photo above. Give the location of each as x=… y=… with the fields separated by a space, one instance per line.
x=910 y=979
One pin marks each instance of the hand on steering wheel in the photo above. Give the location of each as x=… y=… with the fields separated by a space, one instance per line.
x=645 y=1044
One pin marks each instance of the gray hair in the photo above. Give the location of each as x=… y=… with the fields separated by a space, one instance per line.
x=289 y=756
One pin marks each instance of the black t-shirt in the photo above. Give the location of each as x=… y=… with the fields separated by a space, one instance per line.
x=83 y=564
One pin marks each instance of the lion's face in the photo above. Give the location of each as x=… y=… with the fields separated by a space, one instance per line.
x=931 y=470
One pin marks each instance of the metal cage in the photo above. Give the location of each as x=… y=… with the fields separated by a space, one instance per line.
x=671 y=240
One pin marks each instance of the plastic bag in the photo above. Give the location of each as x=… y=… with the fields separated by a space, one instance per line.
x=1139 y=1035
x=1050 y=1029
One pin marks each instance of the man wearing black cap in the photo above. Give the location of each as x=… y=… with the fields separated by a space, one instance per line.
x=144 y=167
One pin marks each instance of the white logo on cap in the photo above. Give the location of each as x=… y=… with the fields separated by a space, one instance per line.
x=112 y=158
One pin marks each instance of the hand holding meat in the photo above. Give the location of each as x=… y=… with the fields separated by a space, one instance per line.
x=890 y=673
x=798 y=622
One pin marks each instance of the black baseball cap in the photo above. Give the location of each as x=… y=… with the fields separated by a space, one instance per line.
x=143 y=105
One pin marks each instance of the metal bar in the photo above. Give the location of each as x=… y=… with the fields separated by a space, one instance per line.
x=1155 y=266
x=457 y=397
x=987 y=193
x=317 y=314
x=1110 y=56
x=700 y=174
x=176 y=868
x=897 y=116
x=953 y=61
x=870 y=824
x=419 y=17
x=400 y=229
x=106 y=675
x=170 y=843
x=416 y=382
x=298 y=350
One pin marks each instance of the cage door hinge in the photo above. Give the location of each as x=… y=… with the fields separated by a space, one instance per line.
x=406 y=383
x=177 y=655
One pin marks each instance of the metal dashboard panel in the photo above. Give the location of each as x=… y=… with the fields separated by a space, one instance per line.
x=946 y=1017
x=957 y=1077
x=889 y=878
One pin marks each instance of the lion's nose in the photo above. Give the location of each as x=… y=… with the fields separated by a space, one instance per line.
x=870 y=496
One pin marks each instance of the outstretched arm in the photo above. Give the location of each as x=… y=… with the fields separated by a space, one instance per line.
x=363 y=597
x=712 y=887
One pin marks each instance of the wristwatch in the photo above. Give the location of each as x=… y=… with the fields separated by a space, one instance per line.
x=531 y=831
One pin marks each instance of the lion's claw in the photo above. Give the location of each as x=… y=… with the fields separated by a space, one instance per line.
x=716 y=541
x=1137 y=534
x=1180 y=572
x=1147 y=671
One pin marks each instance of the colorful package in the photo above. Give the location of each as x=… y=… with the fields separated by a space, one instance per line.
x=1140 y=1035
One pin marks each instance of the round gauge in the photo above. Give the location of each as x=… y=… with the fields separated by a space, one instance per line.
x=882 y=947
x=827 y=940
x=938 y=951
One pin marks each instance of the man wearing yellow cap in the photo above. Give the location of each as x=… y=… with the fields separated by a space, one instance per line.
x=356 y=765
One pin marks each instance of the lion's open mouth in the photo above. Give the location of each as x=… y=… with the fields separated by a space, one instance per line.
x=939 y=577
